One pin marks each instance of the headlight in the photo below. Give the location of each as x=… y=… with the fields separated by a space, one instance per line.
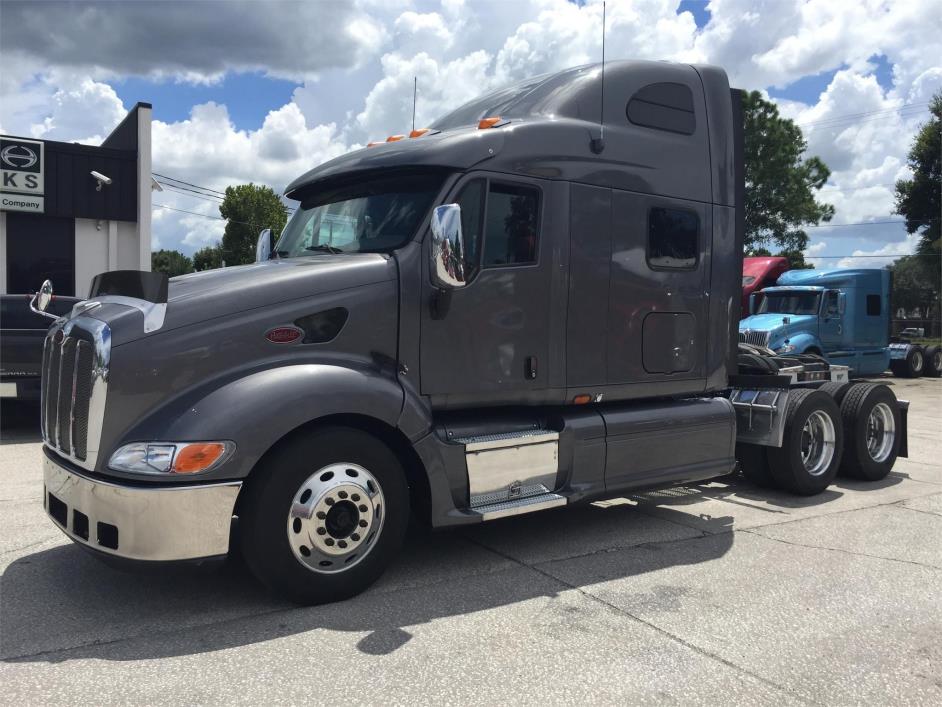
x=170 y=457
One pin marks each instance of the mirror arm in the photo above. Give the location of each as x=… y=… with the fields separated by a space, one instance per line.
x=37 y=310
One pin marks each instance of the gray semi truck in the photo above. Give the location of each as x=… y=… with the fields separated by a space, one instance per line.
x=533 y=303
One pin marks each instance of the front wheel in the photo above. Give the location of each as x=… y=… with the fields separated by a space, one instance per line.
x=324 y=514
x=813 y=439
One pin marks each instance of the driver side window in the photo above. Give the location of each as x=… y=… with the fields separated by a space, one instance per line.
x=471 y=201
x=830 y=304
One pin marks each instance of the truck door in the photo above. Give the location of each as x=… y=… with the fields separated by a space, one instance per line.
x=489 y=342
x=830 y=327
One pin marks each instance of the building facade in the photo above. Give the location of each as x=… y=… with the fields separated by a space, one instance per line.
x=70 y=211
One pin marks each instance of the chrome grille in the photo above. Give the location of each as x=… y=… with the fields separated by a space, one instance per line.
x=756 y=338
x=75 y=369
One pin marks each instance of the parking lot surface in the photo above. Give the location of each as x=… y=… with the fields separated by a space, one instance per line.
x=713 y=593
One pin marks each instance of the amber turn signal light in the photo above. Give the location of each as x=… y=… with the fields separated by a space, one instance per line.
x=489 y=122
x=418 y=133
x=582 y=399
x=394 y=138
x=194 y=458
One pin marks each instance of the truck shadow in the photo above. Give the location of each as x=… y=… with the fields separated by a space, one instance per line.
x=61 y=604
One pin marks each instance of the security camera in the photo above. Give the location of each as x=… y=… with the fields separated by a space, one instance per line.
x=102 y=179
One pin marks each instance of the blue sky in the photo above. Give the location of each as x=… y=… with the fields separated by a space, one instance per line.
x=250 y=91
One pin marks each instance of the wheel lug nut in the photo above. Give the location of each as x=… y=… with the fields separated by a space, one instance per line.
x=322 y=531
x=329 y=501
x=342 y=494
x=342 y=543
x=362 y=508
x=354 y=537
x=321 y=515
x=355 y=497
x=329 y=542
x=363 y=524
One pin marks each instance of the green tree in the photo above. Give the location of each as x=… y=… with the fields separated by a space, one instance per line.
x=208 y=258
x=919 y=200
x=912 y=285
x=796 y=258
x=780 y=181
x=172 y=262
x=249 y=209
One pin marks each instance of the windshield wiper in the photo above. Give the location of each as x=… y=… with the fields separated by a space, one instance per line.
x=323 y=248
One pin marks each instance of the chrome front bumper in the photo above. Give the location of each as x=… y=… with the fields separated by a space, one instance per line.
x=140 y=523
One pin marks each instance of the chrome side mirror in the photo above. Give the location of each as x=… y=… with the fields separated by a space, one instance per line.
x=40 y=301
x=263 y=246
x=447 y=251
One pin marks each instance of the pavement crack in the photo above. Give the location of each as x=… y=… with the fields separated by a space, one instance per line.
x=844 y=551
x=667 y=634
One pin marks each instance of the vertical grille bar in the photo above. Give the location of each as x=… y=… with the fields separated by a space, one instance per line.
x=66 y=379
x=44 y=386
x=52 y=389
x=81 y=398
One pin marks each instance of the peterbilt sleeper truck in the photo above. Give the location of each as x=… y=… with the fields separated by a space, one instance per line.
x=531 y=304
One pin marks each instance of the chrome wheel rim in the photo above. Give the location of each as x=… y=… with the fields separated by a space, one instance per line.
x=335 y=518
x=937 y=360
x=917 y=360
x=817 y=443
x=881 y=432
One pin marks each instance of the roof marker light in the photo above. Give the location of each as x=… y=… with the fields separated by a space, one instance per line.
x=418 y=133
x=394 y=138
x=489 y=122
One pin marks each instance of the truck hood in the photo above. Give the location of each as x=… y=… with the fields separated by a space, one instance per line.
x=209 y=294
x=773 y=323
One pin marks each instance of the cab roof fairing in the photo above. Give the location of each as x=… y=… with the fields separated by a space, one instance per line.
x=549 y=123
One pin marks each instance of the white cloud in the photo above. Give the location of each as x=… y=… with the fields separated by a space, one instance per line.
x=872 y=259
x=358 y=60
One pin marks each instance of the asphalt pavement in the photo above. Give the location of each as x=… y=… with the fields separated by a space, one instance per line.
x=712 y=593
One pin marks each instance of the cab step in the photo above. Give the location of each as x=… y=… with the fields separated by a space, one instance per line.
x=530 y=504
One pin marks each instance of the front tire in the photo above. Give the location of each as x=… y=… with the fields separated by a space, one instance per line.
x=324 y=514
x=810 y=454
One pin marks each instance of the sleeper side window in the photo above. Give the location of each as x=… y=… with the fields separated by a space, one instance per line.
x=511 y=230
x=471 y=201
x=873 y=305
x=663 y=106
x=673 y=236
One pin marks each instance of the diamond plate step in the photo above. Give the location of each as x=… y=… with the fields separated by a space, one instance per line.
x=518 y=506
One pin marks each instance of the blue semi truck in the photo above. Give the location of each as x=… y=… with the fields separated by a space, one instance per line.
x=843 y=315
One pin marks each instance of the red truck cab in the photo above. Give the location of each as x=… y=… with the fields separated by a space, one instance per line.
x=758 y=273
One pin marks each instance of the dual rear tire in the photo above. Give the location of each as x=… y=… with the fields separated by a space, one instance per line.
x=854 y=430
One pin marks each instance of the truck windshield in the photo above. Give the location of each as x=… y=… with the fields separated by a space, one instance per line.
x=369 y=217
x=789 y=303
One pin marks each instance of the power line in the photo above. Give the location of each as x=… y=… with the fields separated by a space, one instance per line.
x=189 y=184
x=886 y=112
x=209 y=216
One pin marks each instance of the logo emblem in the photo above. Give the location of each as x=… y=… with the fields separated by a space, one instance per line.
x=18 y=156
x=284 y=334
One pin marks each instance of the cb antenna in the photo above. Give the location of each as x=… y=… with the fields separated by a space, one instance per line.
x=415 y=92
x=598 y=144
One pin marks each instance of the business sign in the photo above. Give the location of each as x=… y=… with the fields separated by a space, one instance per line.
x=22 y=202
x=21 y=166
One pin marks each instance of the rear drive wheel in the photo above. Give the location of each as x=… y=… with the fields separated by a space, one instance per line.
x=810 y=454
x=933 y=367
x=754 y=464
x=910 y=367
x=871 y=431
x=324 y=515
